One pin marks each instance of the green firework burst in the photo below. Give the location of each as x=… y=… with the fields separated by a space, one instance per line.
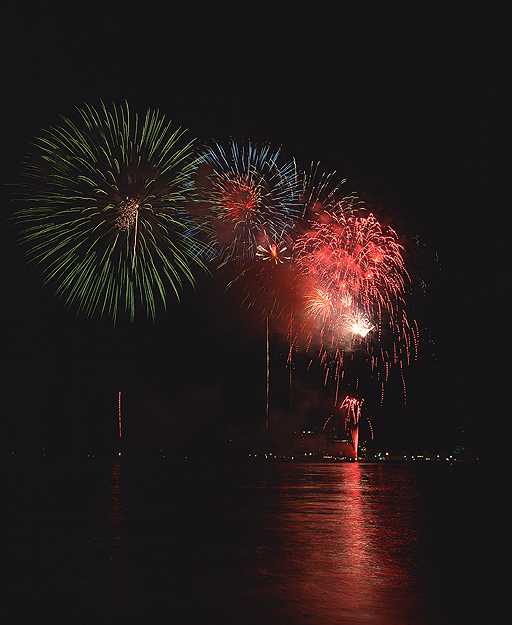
x=103 y=210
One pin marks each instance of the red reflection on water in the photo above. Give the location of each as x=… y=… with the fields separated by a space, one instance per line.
x=117 y=514
x=118 y=555
x=340 y=558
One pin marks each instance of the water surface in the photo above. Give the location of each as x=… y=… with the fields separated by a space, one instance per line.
x=279 y=544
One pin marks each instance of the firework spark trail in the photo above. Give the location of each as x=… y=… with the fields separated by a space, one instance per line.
x=269 y=281
x=103 y=210
x=251 y=197
x=319 y=305
x=322 y=191
x=268 y=380
x=119 y=417
x=266 y=283
x=404 y=387
x=370 y=426
x=290 y=361
x=350 y=408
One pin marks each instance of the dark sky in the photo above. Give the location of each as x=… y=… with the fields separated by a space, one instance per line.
x=404 y=115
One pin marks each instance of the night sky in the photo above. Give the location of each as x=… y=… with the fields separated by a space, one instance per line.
x=404 y=120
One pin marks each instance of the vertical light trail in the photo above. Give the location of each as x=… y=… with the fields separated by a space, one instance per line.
x=290 y=363
x=119 y=421
x=135 y=238
x=268 y=379
x=351 y=413
x=404 y=387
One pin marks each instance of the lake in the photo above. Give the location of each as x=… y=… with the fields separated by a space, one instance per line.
x=319 y=544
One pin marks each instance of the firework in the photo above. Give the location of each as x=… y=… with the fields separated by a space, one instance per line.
x=273 y=251
x=249 y=200
x=355 y=286
x=267 y=284
x=322 y=191
x=103 y=210
x=350 y=409
x=347 y=426
x=249 y=193
x=357 y=323
x=355 y=258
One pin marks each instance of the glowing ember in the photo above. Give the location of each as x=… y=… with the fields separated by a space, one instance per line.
x=127 y=213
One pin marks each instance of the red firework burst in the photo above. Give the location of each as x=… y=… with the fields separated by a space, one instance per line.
x=355 y=259
x=356 y=279
x=238 y=197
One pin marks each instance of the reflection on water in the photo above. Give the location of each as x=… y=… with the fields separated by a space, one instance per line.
x=119 y=554
x=337 y=545
x=117 y=505
x=341 y=544
x=343 y=563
